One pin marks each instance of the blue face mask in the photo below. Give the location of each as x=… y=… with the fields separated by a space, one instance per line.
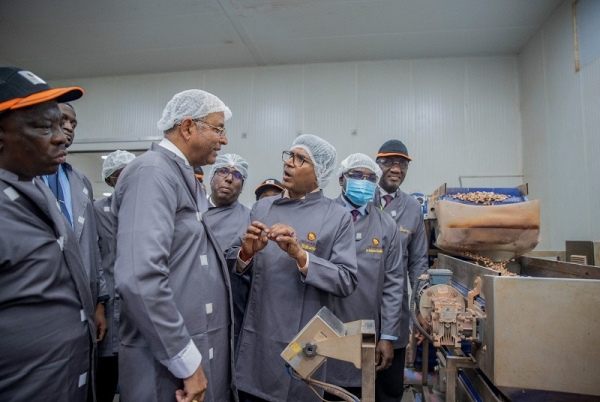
x=360 y=192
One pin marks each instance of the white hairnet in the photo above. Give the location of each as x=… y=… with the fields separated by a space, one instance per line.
x=359 y=161
x=227 y=160
x=114 y=161
x=321 y=153
x=193 y=103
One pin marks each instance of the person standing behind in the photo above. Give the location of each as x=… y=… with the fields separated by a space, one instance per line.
x=47 y=333
x=176 y=316
x=228 y=220
x=75 y=196
x=107 y=373
x=380 y=289
x=199 y=173
x=300 y=248
x=393 y=160
x=268 y=188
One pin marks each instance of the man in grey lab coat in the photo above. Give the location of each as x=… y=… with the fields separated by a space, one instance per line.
x=300 y=248
x=380 y=289
x=176 y=317
x=47 y=335
x=75 y=196
x=393 y=160
x=107 y=372
x=228 y=220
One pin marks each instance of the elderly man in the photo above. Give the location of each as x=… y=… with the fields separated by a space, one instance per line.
x=176 y=317
x=74 y=194
x=107 y=372
x=393 y=160
x=300 y=248
x=228 y=220
x=46 y=307
x=380 y=289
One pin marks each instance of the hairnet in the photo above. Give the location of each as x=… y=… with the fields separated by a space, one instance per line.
x=114 y=161
x=321 y=153
x=359 y=161
x=233 y=160
x=193 y=103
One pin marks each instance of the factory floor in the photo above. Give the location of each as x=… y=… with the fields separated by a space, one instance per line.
x=411 y=376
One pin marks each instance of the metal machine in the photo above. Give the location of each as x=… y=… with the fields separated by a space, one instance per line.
x=325 y=336
x=533 y=336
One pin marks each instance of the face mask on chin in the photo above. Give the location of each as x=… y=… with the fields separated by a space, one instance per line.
x=360 y=192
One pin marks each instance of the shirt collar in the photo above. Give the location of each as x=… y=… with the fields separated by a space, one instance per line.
x=382 y=192
x=165 y=143
x=286 y=193
x=362 y=209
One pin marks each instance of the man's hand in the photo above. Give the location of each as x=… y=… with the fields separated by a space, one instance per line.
x=254 y=240
x=285 y=237
x=194 y=387
x=384 y=353
x=100 y=321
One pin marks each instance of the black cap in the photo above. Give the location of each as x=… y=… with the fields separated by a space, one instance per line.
x=21 y=88
x=273 y=183
x=199 y=173
x=393 y=148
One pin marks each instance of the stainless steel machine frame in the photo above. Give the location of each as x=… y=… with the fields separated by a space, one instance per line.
x=540 y=332
x=325 y=336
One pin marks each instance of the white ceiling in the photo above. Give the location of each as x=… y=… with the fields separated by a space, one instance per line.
x=92 y=38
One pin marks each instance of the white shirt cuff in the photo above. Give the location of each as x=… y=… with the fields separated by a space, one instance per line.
x=184 y=363
x=304 y=270
x=385 y=337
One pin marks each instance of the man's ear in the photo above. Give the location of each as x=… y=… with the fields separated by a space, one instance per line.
x=185 y=128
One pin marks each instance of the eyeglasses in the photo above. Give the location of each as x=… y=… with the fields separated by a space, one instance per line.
x=389 y=162
x=219 y=130
x=235 y=175
x=372 y=177
x=298 y=160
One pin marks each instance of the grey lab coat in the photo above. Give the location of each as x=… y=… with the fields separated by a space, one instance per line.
x=47 y=335
x=408 y=215
x=282 y=300
x=228 y=224
x=172 y=279
x=84 y=225
x=107 y=243
x=380 y=287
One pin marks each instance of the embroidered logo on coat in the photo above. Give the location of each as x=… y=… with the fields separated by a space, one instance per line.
x=311 y=244
x=376 y=247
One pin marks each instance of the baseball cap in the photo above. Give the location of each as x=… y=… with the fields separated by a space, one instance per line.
x=199 y=173
x=266 y=184
x=393 y=148
x=20 y=88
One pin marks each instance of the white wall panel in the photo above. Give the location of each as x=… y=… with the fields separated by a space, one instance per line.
x=560 y=133
x=458 y=117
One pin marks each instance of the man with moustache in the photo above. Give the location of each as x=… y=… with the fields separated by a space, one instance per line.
x=300 y=249
x=176 y=317
x=228 y=220
x=47 y=340
x=393 y=160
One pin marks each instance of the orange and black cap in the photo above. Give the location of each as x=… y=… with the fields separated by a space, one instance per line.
x=273 y=183
x=199 y=173
x=21 y=88
x=393 y=148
